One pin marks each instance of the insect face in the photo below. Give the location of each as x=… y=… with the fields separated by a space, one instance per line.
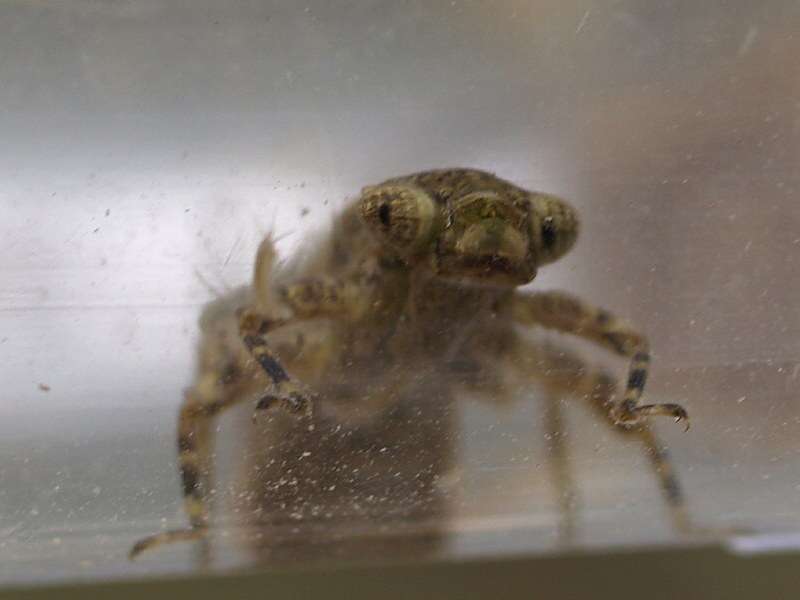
x=483 y=236
x=486 y=240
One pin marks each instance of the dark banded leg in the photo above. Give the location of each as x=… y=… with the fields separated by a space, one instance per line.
x=201 y=405
x=660 y=458
x=288 y=393
x=559 y=311
x=309 y=299
x=600 y=387
x=564 y=374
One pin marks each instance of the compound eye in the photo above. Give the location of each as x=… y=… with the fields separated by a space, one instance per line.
x=385 y=214
x=549 y=234
x=401 y=216
x=554 y=227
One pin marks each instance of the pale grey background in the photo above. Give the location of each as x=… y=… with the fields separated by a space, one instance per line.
x=148 y=146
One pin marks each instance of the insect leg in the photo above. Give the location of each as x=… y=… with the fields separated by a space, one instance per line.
x=307 y=299
x=201 y=405
x=559 y=311
x=565 y=374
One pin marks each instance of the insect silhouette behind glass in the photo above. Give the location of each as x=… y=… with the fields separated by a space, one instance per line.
x=354 y=357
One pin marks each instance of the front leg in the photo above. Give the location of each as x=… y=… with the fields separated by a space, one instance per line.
x=307 y=299
x=557 y=310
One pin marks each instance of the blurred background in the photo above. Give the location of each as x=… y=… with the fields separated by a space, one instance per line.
x=149 y=146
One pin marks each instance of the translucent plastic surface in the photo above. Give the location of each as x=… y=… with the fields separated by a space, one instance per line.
x=148 y=147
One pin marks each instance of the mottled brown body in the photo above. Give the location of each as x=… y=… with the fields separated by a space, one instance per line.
x=367 y=342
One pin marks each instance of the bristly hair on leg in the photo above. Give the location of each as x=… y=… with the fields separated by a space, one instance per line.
x=213 y=291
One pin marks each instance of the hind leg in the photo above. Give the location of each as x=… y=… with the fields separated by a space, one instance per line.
x=202 y=404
